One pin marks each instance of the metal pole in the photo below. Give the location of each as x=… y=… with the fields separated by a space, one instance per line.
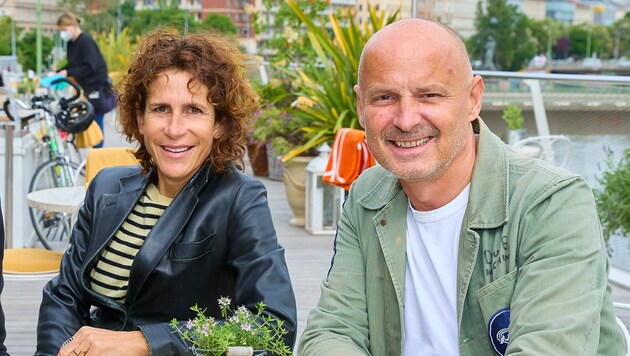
x=549 y=46
x=414 y=8
x=13 y=39
x=38 y=37
x=8 y=201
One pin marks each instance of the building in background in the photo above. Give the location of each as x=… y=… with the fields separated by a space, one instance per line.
x=24 y=13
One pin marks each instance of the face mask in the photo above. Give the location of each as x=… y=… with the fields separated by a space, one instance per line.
x=65 y=35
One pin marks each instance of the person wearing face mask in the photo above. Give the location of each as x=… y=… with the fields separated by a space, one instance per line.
x=87 y=66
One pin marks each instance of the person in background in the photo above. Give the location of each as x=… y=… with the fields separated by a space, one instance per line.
x=3 y=330
x=455 y=245
x=87 y=66
x=185 y=227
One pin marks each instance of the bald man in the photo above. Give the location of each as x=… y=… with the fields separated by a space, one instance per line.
x=455 y=245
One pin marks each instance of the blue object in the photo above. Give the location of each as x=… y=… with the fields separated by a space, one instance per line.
x=46 y=82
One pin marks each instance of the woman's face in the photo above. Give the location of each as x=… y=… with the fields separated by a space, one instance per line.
x=68 y=33
x=178 y=127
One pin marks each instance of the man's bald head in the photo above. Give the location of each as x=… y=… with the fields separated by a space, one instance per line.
x=424 y=35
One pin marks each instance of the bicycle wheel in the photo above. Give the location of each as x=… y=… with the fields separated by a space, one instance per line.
x=53 y=229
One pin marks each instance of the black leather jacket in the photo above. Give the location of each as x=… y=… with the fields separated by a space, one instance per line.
x=215 y=239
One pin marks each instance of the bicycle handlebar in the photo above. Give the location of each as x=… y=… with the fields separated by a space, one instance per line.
x=7 y=111
x=77 y=90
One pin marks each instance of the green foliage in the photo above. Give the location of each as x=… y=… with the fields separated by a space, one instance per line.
x=545 y=31
x=238 y=328
x=513 y=117
x=170 y=17
x=613 y=199
x=280 y=129
x=288 y=42
x=599 y=37
x=5 y=35
x=27 y=50
x=220 y=23
x=107 y=18
x=325 y=98
x=620 y=33
x=117 y=51
x=509 y=28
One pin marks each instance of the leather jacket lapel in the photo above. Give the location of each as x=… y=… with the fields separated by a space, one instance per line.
x=165 y=231
x=112 y=210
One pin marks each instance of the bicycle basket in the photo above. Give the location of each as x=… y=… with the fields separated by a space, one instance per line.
x=75 y=117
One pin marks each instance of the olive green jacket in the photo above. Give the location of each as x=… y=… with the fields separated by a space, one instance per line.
x=531 y=254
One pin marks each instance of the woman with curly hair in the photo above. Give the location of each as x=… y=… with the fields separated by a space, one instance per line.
x=183 y=228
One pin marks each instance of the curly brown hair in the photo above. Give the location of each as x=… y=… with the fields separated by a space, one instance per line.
x=213 y=61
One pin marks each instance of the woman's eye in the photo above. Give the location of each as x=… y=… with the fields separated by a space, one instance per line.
x=194 y=110
x=160 y=109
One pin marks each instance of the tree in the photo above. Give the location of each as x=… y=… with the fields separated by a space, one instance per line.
x=220 y=23
x=26 y=48
x=508 y=27
x=620 y=33
x=586 y=40
x=546 y=32
x=6 y=23
x=169 y=16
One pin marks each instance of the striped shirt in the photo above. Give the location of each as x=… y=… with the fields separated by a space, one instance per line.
x=110 y=276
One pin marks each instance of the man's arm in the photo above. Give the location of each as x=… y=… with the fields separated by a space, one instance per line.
x=339 y=323
x=562 y=277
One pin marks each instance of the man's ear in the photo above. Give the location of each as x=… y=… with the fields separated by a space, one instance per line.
x=475 y=97
x=357 y=91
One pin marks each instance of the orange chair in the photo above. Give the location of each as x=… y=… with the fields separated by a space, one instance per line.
x=99 y=158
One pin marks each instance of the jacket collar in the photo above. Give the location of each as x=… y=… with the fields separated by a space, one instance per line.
x=487 y=203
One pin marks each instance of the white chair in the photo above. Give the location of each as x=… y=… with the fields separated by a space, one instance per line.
x=622 y=326
x=555 y=149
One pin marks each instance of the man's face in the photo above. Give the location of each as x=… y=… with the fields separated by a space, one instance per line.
x=416 y=104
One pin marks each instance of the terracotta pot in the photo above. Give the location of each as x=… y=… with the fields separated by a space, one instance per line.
x=257 y=153
x=294 y=178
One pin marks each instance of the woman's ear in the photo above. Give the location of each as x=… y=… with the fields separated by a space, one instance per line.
x=140 y=121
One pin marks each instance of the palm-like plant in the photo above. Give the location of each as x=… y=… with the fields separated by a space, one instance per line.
x=324 y=92
x=116 y=50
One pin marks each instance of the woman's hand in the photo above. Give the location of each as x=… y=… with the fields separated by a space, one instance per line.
x=97 y=342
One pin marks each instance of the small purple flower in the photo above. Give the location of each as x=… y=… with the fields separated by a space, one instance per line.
x=246 y=327
x=191 y=324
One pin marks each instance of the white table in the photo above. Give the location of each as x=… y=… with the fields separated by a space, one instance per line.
x=60 y=200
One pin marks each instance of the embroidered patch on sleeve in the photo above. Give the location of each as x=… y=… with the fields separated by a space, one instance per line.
x=498 y=330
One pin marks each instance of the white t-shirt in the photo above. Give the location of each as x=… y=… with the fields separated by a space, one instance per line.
x=431 y=278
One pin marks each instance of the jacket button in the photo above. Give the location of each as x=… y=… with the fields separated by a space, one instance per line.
x=383 y=222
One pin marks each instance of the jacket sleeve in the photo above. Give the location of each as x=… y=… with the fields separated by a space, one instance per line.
x=260 y=269
x=339 y=323
x=64 y=309
x=560 y=301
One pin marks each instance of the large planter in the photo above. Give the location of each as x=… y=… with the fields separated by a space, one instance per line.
x=515 y=135
x=257 y=153
x=275 y=165
x=294 y=178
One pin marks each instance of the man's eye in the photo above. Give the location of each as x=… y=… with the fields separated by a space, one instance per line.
x=383 y=97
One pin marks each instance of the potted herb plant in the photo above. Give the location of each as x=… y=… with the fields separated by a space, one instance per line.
x=513 y=117
x=613 y=196
x=241 y=332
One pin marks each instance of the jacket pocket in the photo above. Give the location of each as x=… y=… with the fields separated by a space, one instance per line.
x=187 y=251
x=494 y=300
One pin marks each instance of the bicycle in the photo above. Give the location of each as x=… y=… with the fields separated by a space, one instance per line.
x=53 y=229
